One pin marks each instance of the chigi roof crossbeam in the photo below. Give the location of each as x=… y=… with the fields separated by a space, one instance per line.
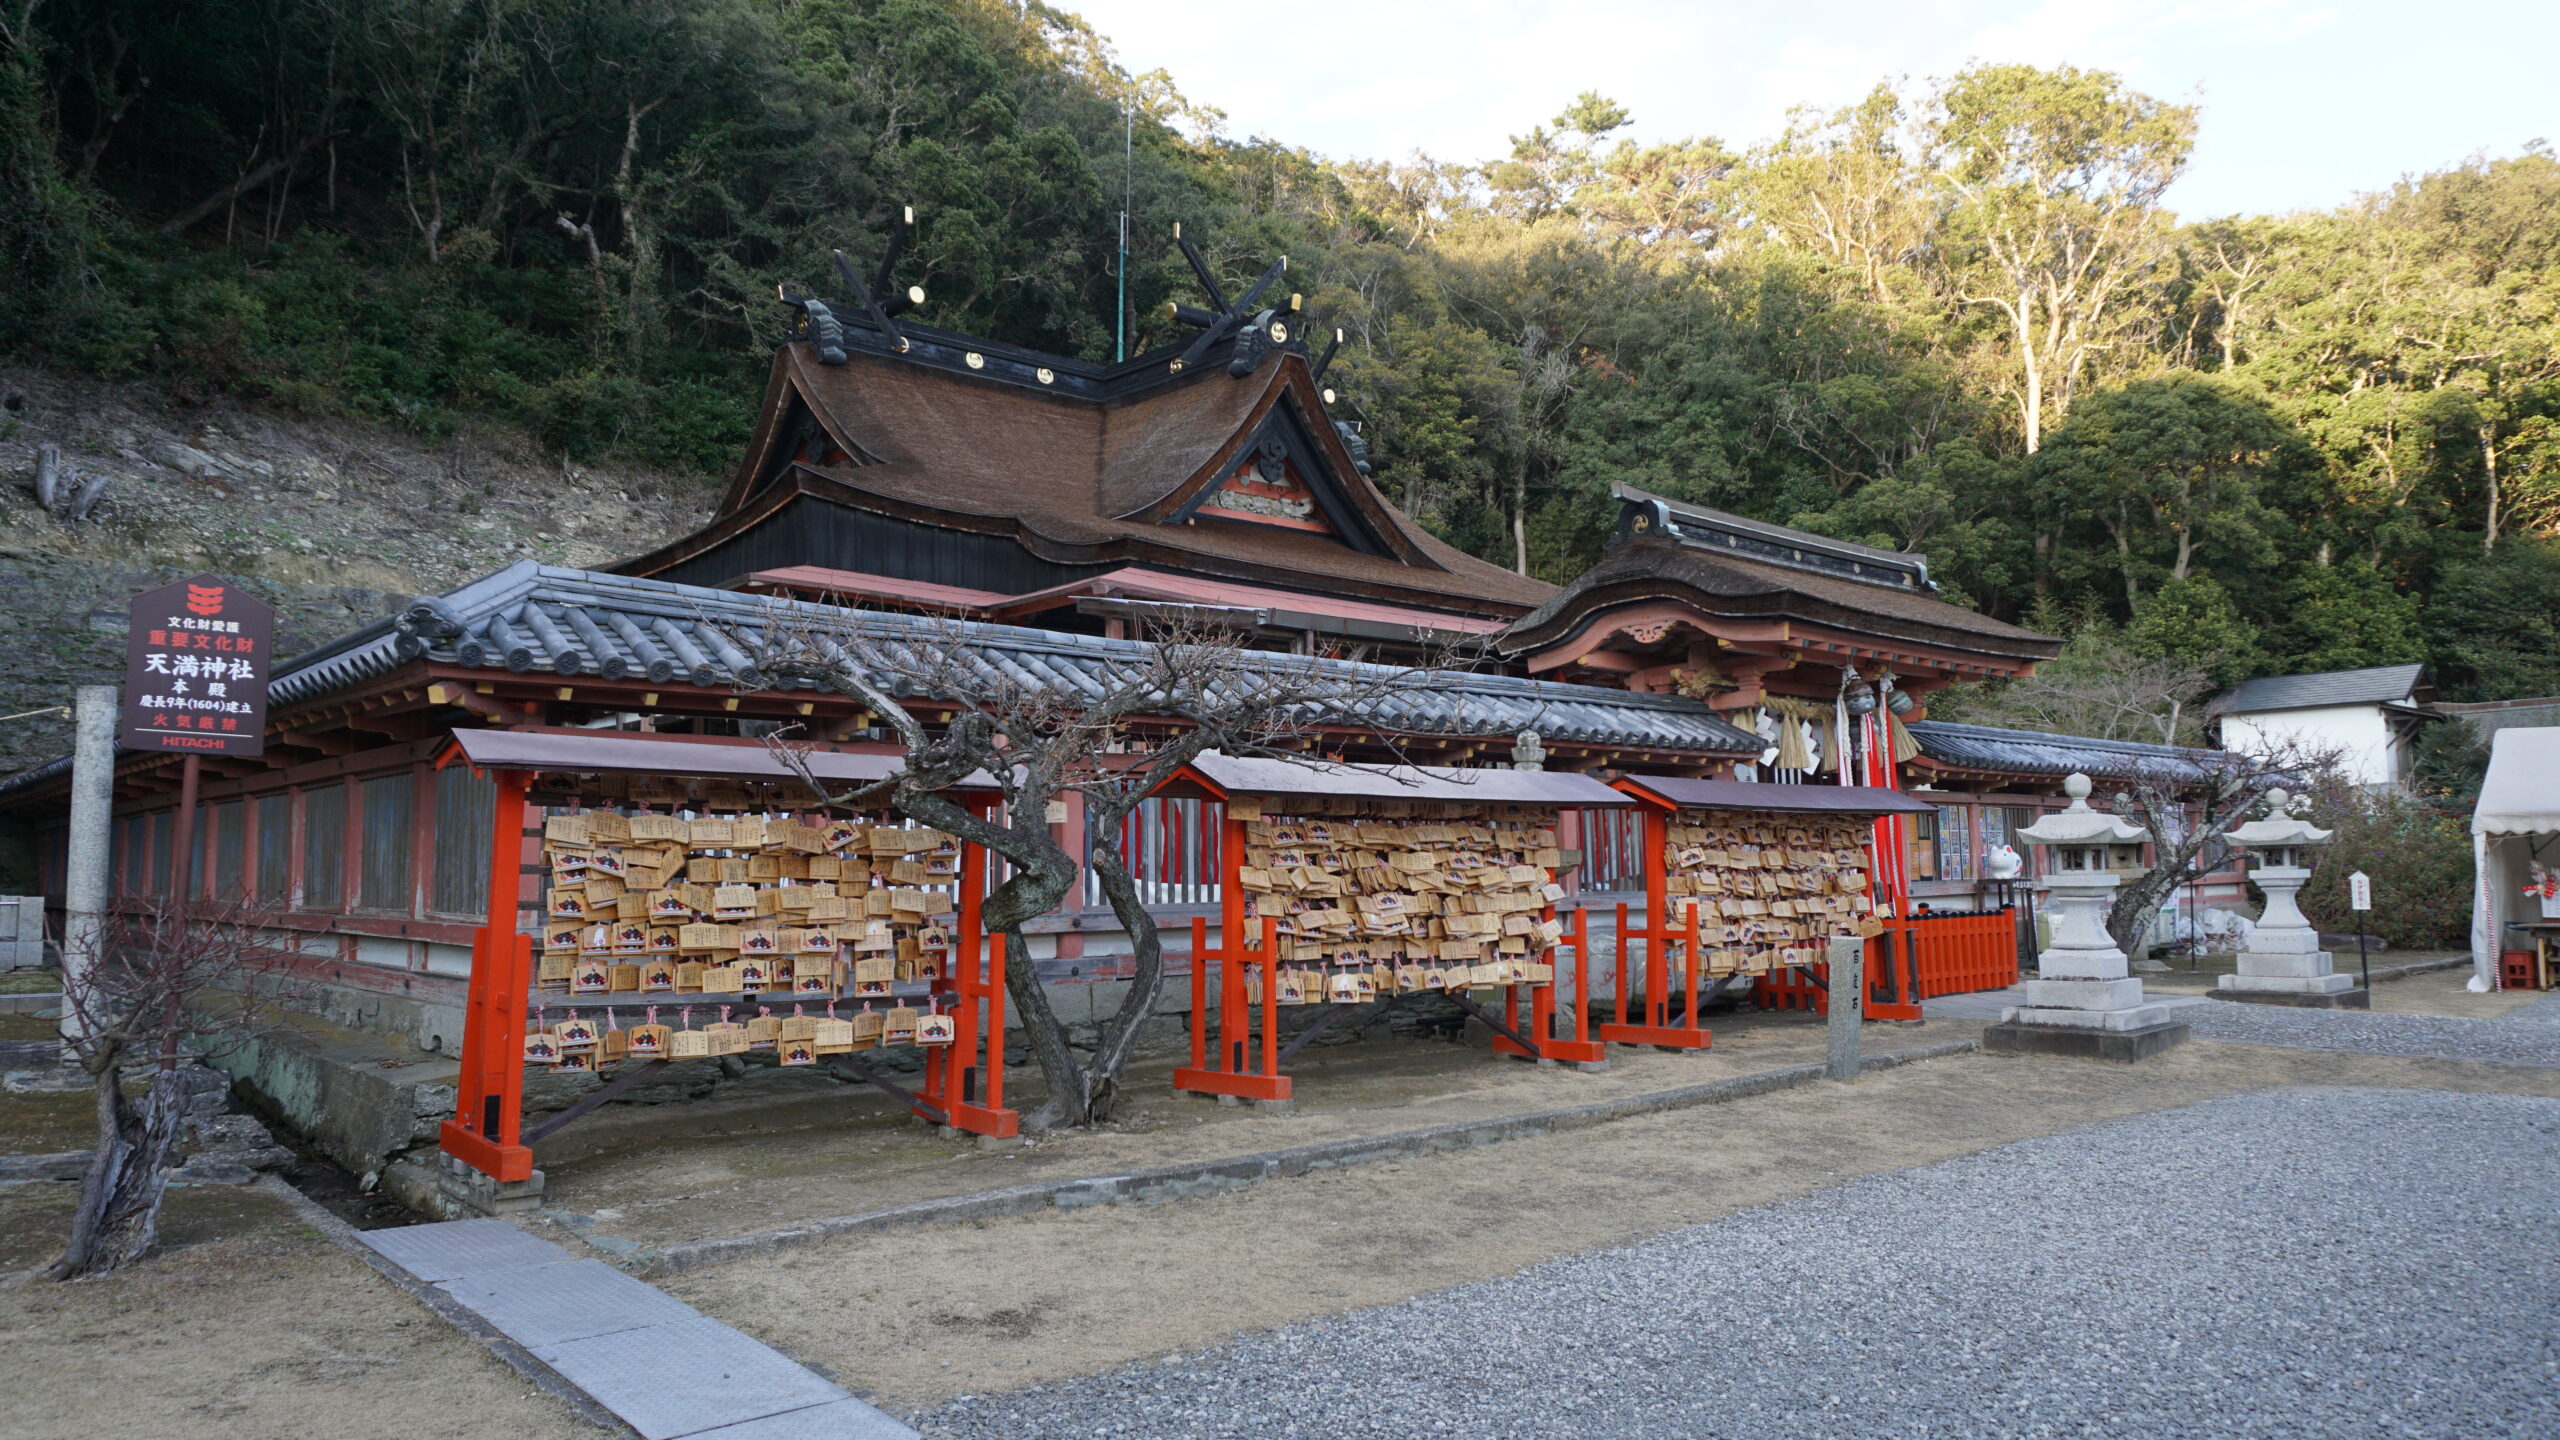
x=865 y=318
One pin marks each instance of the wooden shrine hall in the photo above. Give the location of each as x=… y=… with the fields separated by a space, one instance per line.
x=1047 y=515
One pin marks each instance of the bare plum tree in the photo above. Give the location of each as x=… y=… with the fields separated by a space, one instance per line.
x=2188 y=804
x=178 y=978
x=1110 y=728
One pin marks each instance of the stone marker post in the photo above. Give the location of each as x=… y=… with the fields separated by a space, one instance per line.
x=85 y=875
x=2284 y=964
x=2085 y=1001
x=1848 y=1004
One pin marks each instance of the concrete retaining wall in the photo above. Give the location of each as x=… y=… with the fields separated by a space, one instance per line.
x=359 y=1098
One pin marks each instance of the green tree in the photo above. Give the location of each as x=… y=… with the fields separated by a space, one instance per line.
x=2347 y=616
x=2493 y=625
x=2195 y=623
x=2173 y=474
x=2057 y=177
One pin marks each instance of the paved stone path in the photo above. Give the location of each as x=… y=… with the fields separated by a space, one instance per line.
x=666 y=1369
x=2345 y=1264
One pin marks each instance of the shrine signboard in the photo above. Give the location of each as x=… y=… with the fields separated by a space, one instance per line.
x=195 y=669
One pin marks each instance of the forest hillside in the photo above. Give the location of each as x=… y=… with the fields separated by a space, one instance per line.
x=1955 y=317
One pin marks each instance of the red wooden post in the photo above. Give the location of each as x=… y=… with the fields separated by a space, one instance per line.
x=1582 y=974
x=1270 y=1067
x=1199 y=992
x=1571 y=1043
x=943 y=1067
x=1697 y=972
x=1622 y=967
x=1235 y=1023
x=1231 y=946
x=1657 y=917
x=183 y=877
x=489 y=1095
x=995 y=1035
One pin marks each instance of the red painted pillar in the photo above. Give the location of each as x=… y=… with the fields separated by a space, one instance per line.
x=1235 y=1023
x=995 y=1032
x=489 y=1095
x=1199 y=991
x=1657 y=920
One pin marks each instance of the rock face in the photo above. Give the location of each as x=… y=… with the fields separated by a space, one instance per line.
x=334 y=522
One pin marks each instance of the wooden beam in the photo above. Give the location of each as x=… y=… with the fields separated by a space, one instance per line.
x=331 y=746
x=477 y=701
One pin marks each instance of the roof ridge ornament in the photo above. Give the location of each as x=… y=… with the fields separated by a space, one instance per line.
x=818 y=322
x=1256 y=334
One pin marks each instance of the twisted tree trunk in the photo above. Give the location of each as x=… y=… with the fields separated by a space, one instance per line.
x=118 y=1220
x=1146 y=942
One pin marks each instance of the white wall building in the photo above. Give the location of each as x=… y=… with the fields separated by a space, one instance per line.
x=2369 y=716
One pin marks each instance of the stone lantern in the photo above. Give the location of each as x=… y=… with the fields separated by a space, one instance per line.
x=2085 y=1002
x=2284 y=964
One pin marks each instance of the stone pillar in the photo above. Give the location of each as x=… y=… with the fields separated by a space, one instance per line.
x=2284 y=964
x=89 y=864
x=1848 y=1003
x=2085 y=1002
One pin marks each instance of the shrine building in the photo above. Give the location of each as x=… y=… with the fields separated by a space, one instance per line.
x=1059 y=512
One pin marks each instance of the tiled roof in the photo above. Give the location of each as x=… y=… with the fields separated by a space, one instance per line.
x=1740 y=586
x=2033 y=752
x=532 y=617
x=2376 y=685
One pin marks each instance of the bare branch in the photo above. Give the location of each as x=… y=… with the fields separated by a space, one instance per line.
x=1109 y=723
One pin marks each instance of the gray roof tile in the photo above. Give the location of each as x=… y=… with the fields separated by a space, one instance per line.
x=533 y=617
x=2033 y=752
x=2375 y=685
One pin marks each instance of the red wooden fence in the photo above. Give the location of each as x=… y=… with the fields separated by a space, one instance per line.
x=1959 y=954
x=1962 y=953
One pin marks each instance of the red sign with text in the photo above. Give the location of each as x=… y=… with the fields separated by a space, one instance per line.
x=195 y=669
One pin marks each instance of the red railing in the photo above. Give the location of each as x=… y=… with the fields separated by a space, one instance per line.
x=1963 y=953
x=1958 y=953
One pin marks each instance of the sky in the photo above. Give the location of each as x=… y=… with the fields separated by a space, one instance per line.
x=2306 y=103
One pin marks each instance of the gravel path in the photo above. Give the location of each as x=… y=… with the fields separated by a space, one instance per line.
x=2529 y=1035
x=2311 y=1263
x=2545 y=1011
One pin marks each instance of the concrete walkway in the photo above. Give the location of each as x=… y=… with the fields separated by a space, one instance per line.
x=664 y=1368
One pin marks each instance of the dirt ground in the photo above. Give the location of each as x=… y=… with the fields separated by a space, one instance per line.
x=920 y=1316
x=2446 y=992
x=248 y=1326
x=2202 y=972
x=787 y=1146
x=47 y=1125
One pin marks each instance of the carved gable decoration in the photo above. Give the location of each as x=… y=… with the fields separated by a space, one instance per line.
x=1263 y=490
x=1280 y=478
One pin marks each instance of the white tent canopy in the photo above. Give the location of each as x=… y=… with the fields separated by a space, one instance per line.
x=2518 y=813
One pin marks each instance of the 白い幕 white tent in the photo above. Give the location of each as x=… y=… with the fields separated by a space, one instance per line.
x=2515 y=826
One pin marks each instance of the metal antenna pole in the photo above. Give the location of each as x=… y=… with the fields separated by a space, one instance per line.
x=1128 y=190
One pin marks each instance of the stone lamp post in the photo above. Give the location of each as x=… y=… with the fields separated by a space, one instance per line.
x=2284 y=964
x=2085 y=1003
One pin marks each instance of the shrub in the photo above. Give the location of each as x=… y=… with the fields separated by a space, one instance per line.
x=2418 y=855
